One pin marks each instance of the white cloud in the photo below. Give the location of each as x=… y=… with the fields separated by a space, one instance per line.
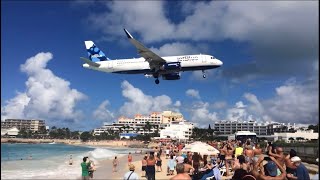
x=177 y=104
x=102 y=112
x=174 y=49
x=138 y=102
x=193 y=93
x=15 y=107
x=237 y=113
x=219 y=104
x=140 y=16
x=201 y=115
x=295 y=102
x=255 y=106
x=46 y=97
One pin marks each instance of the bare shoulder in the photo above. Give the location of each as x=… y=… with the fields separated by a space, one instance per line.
x=181 y=177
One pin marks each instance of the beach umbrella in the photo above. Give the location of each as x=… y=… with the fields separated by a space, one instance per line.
x=200 y=147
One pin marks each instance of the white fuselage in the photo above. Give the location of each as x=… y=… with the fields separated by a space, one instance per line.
x=140 y=65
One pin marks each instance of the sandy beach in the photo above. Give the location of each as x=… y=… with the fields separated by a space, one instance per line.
x=104 y=171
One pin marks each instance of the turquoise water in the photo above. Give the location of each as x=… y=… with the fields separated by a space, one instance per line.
x=11 y=152
x=50 y=161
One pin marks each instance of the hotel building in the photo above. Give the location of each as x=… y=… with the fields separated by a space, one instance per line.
x=157 y=121
x=33 y=125
x=230 y=127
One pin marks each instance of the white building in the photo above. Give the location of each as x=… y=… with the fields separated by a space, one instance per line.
x=157 y=121
x=230 y=127
x=177 y=130
x=297 y=136
x=12 y=132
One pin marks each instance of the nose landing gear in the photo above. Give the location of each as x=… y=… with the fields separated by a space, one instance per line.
x=203 y=74
x=157 y=81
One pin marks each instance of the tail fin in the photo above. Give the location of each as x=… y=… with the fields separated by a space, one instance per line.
x=94 y=53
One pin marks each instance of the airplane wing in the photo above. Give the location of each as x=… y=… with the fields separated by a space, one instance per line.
x=154 y=60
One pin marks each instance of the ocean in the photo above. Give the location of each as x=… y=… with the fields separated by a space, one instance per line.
x=50 y=161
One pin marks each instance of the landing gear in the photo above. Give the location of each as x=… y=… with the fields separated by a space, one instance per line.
x=203 y=74
x=157 y=81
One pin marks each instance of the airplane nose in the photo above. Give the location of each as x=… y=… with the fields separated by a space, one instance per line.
x=218 y=62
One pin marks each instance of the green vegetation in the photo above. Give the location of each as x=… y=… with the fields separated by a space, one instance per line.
x=206 y=134
x=315 y=128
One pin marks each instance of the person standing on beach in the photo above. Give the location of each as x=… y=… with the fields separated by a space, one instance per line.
x=129 y=159
x=144 y=165
x=85 y=169
x=115 y=163
x=159 y=163
x=150 y=169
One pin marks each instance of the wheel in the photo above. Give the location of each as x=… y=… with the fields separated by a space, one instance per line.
x=157 y=81
x=203 y=74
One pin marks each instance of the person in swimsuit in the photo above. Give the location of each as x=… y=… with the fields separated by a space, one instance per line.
x=229 y=160
x=129 y=159
x=150 y=169
x=144 y=165
x=115 y=163
x=159 y=163
x=196 y=161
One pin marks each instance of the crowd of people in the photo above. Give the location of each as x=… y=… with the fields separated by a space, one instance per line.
x=236 y=160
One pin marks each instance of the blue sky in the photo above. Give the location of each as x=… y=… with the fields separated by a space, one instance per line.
x=269 y=51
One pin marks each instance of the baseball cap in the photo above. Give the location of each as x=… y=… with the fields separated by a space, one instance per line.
x=271 y=167
x=295 y=159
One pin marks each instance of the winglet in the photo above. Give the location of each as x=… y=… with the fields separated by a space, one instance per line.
x=128 y=34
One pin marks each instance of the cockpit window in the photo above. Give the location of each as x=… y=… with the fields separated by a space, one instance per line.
x=212 y=57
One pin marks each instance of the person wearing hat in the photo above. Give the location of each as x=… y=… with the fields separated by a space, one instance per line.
x=301 y=171
x=131 y=175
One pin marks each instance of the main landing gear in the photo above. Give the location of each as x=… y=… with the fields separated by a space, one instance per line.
x=156 y=75
x=203 y=74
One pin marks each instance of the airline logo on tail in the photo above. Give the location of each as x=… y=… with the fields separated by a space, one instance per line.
x=94 y=53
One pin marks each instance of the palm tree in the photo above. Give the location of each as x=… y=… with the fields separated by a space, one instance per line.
x=137 y=130
x=148 y=126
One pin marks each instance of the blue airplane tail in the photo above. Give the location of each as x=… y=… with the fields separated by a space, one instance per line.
x=94 y=53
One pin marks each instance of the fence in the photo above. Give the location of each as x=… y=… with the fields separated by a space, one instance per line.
x=307 y=154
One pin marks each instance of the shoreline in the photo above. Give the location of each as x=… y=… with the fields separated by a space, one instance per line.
x=108 y=143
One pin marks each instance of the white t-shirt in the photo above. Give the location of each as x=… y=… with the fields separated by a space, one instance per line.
x=167 y=151
x=134 y=176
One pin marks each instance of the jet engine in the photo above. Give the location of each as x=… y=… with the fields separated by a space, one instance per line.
x=172 y=66
x=171 y=76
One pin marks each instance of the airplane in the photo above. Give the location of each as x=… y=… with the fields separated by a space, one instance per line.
x=150 y=64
